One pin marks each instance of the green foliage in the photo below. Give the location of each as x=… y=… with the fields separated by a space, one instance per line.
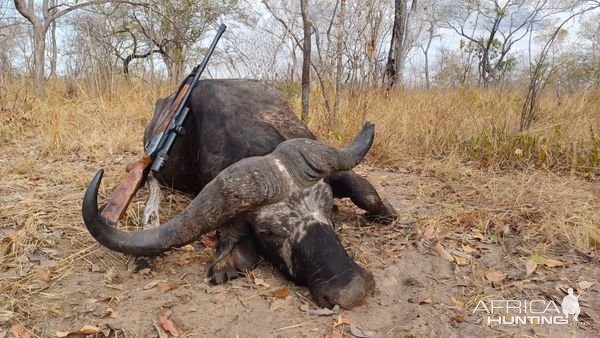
x=338 y=135
x=507 y=64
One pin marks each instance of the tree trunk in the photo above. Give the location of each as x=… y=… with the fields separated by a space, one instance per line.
x=54 y=55
x=339 y=69
x=39 y=49
x=54 y=51
x=305 y=60
x=398 y=44
x=400 y=41
x=390 y=65
x=293 y=65
x=426 y=54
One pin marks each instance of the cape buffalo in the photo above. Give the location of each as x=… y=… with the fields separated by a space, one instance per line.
x=262 y=192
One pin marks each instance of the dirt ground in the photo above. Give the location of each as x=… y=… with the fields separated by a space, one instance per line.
x=460 y=239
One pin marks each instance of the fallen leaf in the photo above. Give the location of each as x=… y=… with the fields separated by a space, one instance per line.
x=153 y=283
x=342 y=321
x=478 y=235
x=184 y=259
x=209 y=241
x=357 y=332
x=537 y=259
x=320 y=311
x=429 y=233
x=167 y=324
x=458 y=302
x=439 y=249
x=336 y=334
x=426 y=301
x=188 y=248
x=468 y=249
x=460 y=260
x=219 y=298
x=583 y=285
x=530 y=267
x=552 y=263
x=165 y=286
x=202 y=259
x=458 y=318
x=110 y=312
x=86 y=329
x=281 y=293
x=261 y=282
x=495 y=276
x=19 y=331
x=46 y=275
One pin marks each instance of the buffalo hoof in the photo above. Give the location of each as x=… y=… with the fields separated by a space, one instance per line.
x=348 y=295
x=242 y=257
x=385 y=214
x=223 y=274
x=141 y=263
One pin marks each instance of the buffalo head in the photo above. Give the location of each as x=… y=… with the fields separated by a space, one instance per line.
x=284 y=199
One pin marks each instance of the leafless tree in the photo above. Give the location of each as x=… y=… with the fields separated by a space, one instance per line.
x=399 y=44
x=540 y=70
x=338 y=52
x=492 y=27
x=41 y=19
x=427 y=23
x=306 y=51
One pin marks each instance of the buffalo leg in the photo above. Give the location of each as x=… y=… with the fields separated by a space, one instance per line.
x=363 y=195
x=236 y=253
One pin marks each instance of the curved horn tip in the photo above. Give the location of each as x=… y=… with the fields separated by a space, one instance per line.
x=89 y=207
x=368 y=128
x=364 y=139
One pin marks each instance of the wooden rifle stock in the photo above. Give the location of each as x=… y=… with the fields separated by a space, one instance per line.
x=137 y=171
x=123 y=194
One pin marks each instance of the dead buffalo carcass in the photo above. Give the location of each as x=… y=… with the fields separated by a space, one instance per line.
x=261 y=192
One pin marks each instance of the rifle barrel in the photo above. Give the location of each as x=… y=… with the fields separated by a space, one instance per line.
x=209 y=52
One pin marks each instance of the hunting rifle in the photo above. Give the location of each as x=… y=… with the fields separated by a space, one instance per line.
x=158 y=147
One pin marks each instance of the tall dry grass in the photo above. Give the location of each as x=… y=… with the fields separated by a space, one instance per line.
x=472 y=124
x=79 y=117
x=475 y=125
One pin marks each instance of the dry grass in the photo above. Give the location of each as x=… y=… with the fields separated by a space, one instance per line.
x=474 y=125
x=468 y=123
x=50 y=148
